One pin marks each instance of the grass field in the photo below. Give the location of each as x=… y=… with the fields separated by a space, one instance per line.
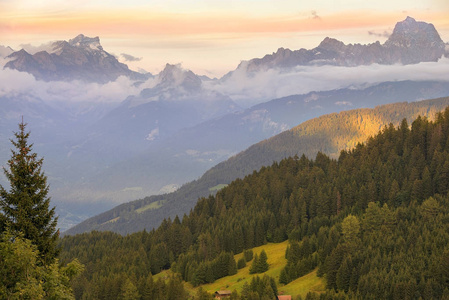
x=154 y=205
x=217 y=187
x=276 y=260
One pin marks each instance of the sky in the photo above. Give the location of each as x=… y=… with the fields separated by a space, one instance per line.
x=209 y=37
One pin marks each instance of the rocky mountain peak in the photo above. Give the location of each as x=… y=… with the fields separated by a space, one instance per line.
x=410 y=33
x=83 y=41
x=331 y=44
x=81 y=58
x=174 y=75
x=411 y=42
x=283 y=52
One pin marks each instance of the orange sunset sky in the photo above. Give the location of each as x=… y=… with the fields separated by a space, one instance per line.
x=209 y=37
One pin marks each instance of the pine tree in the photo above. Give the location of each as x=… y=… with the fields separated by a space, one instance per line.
x=129 y=291
x=262 y=265
x=26 y=207
x=253 y=269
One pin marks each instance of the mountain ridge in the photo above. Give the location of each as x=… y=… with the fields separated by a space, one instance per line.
x=81 y=58
x=263 y=153
x=411 y=42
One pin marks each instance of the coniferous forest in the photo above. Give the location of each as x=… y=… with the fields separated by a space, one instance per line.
x=374 y=223
x=29 y=267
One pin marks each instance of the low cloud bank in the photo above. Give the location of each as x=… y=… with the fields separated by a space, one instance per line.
x=245 y=89
x=250 y=89
x=13 y=83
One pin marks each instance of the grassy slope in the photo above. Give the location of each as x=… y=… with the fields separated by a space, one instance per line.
x=276 y=260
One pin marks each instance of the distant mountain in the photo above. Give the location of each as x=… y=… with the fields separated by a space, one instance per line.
x=173 y=159
x=171 y=129
x=371 y=225
x=328 y=134
x=97 y=148
x=54 y=127
x=81 y=58
x=5 y=51
x=175 y=100
x=411 y=42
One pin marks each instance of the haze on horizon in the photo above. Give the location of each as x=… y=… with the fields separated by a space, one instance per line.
x=210 y=37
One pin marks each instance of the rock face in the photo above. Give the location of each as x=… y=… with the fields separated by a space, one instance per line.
x=411 y=42
x=81 y=58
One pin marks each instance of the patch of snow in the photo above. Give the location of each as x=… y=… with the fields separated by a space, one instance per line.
x=312 y=97
x=153 y=134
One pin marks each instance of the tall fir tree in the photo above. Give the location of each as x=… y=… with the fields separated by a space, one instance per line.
x=25 y=207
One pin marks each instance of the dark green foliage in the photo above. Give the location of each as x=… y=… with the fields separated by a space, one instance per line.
x=22 y=275
x=329 y=134
x=260 y=288
x=25 y=208
x=248 y=255
x=241 y=263
x=202 y=295
x=301 y=259
x=209 y=271
x=259 y=264
x=375 y=222
x=254 y=266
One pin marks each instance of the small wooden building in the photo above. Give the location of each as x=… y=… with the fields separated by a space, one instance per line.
x=222 y=294
x=285 y=297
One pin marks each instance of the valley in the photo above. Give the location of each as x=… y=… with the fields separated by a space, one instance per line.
x=318 y=173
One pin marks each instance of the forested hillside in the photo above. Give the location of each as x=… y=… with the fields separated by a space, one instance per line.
x=328 y=134
x=375 y=223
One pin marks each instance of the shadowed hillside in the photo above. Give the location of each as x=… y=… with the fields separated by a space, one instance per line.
x=329 y=134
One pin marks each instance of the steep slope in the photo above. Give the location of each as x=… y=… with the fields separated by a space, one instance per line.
x=328 y=134
x=374 y=222
x=81 y=58
x=188 y=153
x=106 y=157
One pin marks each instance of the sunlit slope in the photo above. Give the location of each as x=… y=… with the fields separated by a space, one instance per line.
x=276 y=260
x=329 y=134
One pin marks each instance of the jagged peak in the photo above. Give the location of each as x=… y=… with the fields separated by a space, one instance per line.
x=86 y=42
x=409 y=20
x=331 y=44
x=21 y=52
x=409 y=30
x=282 y=50
x=176 y=74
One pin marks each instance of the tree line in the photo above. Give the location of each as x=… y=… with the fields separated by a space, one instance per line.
x=29 y=267
x=383 y=194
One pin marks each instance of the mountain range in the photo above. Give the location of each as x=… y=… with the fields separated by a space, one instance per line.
x=81 y=58
x=328 y=134
x=411 y=42
x=170 y=128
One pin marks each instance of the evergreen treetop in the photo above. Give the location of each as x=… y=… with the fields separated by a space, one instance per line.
x=25 y=207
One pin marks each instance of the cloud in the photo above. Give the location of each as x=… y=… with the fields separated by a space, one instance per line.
x=246 y=89
x=384 y=34
x=348 y=103
x=315 y=16
x=13 y=82
x=249 y=89
x=129 y=57
x=48 y=47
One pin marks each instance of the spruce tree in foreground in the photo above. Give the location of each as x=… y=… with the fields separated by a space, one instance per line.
x=25 y=207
